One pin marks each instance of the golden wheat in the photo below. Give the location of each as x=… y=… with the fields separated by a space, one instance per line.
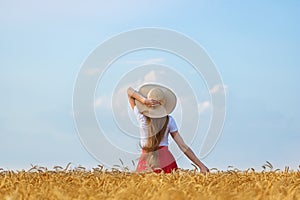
x=79 y=183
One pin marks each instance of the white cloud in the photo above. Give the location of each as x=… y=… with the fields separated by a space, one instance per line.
x=102 y=101
x=92 y=71
x=218 y=89
x=203 y=106
x=150 y=77
x=146 y=62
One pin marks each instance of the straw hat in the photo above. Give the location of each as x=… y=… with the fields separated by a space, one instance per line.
x=165 y=96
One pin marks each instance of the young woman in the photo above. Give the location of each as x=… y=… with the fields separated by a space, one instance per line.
x=152 y=105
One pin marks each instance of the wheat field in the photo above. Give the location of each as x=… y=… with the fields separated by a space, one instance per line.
x=100 y=183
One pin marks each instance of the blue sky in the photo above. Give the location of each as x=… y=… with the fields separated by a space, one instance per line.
x=254 y=45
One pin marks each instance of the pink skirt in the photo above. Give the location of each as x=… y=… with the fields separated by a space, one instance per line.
x=166 y=161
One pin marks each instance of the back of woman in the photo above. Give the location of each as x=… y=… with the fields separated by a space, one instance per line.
x=154 y=133
x=152 y=105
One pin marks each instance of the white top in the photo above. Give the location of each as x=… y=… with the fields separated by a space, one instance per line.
x=171 y=128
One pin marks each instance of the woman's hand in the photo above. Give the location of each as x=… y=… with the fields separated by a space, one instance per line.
x=132 y=95
x=204 y=169
x=188 y=152
x=151 y=102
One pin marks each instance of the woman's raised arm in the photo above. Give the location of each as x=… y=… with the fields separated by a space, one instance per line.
x=133 y=94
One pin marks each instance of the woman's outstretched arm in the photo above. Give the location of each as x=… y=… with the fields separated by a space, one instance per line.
x=188 y=151
x=135 y=95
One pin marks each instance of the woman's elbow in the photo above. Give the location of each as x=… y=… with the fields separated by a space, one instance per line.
x=130 y=91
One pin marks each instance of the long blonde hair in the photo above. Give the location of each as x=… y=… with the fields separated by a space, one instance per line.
x=156 y=130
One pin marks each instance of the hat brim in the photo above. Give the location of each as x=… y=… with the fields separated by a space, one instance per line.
x=158 y=111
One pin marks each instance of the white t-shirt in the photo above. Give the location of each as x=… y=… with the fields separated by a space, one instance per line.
x=172 y=127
